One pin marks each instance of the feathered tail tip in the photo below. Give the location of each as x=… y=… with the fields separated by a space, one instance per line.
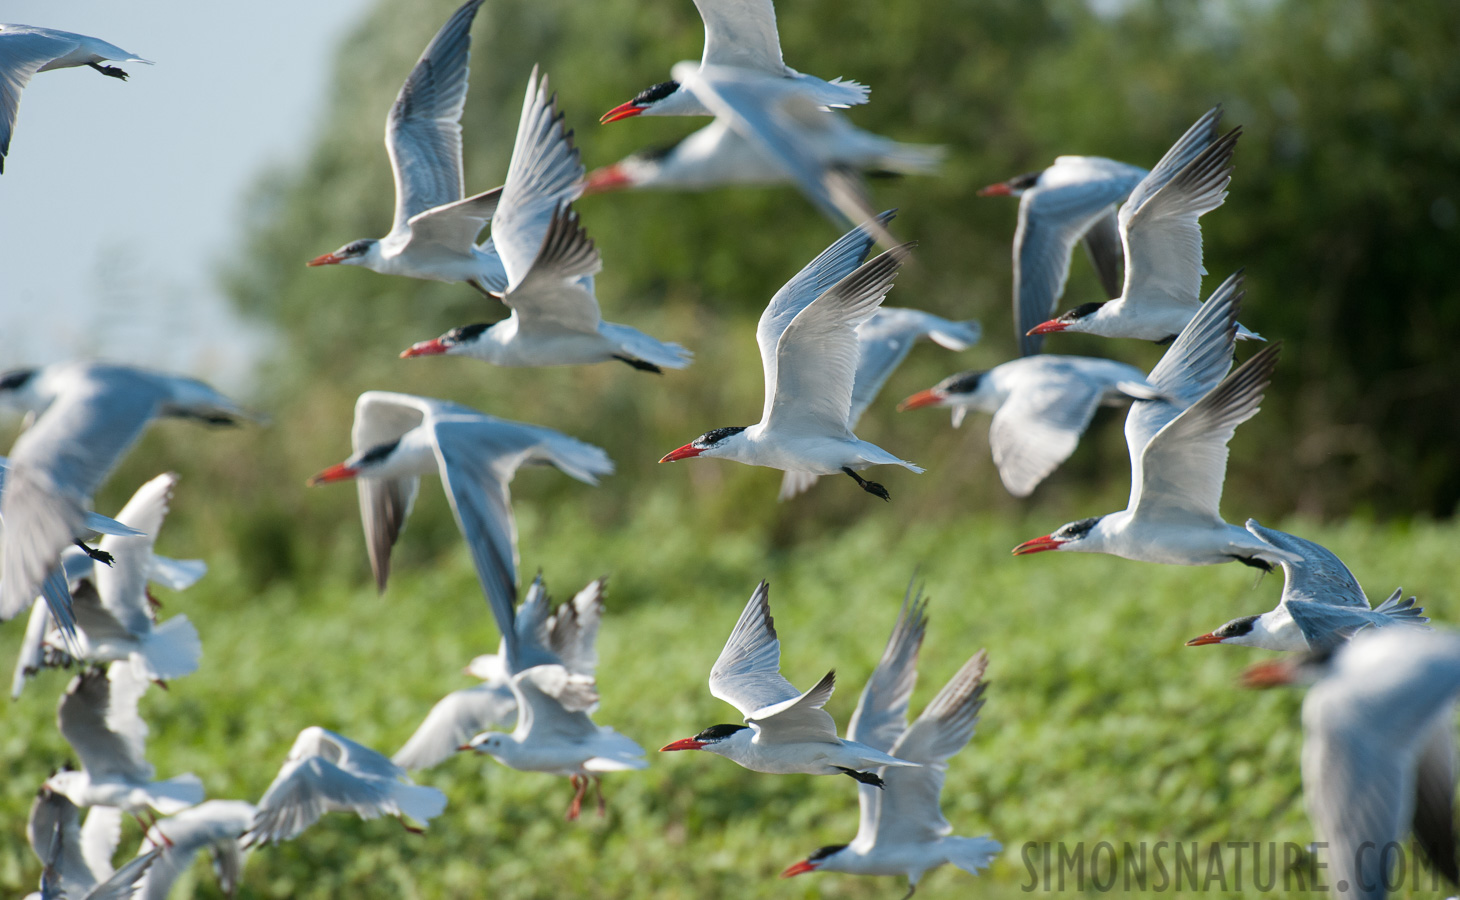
x=420 y=803
x=957 y=335
x=172 y=651
x=175 y=794
x=1403 y=609
x=972 y=854
x=913 y=159
x=847 y=93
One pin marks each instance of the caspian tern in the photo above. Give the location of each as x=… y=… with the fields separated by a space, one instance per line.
x=325 y=772
x=397 y=438
x=1322 y=604
x=26 y=50
x=1161 y=236
x=768 y=132
x=884 y=340
x=88 y=415
x=786 y=731
x=808 y=348
x=1178 y=452
x=98 y=718
x=435 y=229
x=554 y=690
x=1040 y=404
x=78 y=858
x=1378 y=750
x=1070 y=202
x=742 y=34
x=902 y=829
x=567 y=633
x=549 y=263
x=217 y=826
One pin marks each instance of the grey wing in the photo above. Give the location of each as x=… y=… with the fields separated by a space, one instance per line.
x=453 y=721
x=747 y=674
x=1321 y=576
x=1201 y=135
x=122 y=885
x=307 y=789
x=741 y=33
x=573 y=629
x=456 y=225
x=22 y=53
x=910 y=810
x=1325 y=626
x=1434 y=809
x=1040 y=424
x=552 y=704
x=123 y=584
x=1184 y=465
x=214 y=825
x=800 y=719
x=100 y=835
x=1192 y=366
x=385 y=503
x=816 y=357
x=555 y=295
x=95 y=621
x=1106 y=252
x=98 y=718
x=884 y=340
x=423 y=129
x=352 y=756
x=545 y=172
x=881 y=715
x=54 y=832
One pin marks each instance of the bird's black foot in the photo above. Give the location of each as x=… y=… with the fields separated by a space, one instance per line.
x=109 y=71
x=870 y=487
x=639 y=364
x=863 y=777
x=100 y=556
x=1254 y=562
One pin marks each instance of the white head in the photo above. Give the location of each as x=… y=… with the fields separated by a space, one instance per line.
x=1077 y=321
x=663 y=99
x=380 y=461
x=828 y=858
x=492 y=743
x=960 y=393
x=356 y=253
x=1084 y=534
x=487 y=667
x=1244 y=631
x=1014 y=187
x=721 y=443
x=717 y=739
x=454 y=342
x=70 y=783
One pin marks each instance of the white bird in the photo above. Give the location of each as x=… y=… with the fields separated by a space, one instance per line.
x=397 y=438
x=1161 y=236
x=554 y=689
x=786 y=731
x=1073 y=201
x=769 y=131
x=902 y=829
x=549 y=263
x=325 y=772
x=884 y=340
x=740 y=34
x=217 y=826
x=1322 y=603
x=1178 y=453
x=434 y=233
x=568 y=634
x=1040 y=404
x=26 y=50
x=808 y=349
x=88 y=415
x=1378 y=751
x=78 y=858
x=98 y=718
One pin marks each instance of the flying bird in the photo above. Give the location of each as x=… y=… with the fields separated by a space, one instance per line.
x=1041 y=406
x=397 y=438
x=1378 y=751
x=809 y=351
x=77 y=857
x=1178 y=453
x=1161 y=236
x=1322 y=604
x=740 y=34
x=884 y=340
x=785 y=731
x=902 y=829
x=27 y=49
x=325 y=772
x=550 y=263
x=1073 y=201
x=216 y=826
x=434 y=233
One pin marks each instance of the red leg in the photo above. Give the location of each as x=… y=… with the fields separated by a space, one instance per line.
x=580 y=786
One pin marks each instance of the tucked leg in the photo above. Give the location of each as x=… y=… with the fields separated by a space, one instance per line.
x=639 y=364
x=100 y=556
x=864 y=777
x=870 y=487
x=109 y=71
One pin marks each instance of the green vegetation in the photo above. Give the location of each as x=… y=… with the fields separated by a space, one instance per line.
x=1100 y=725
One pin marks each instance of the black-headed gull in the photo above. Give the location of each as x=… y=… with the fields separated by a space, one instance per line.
x=435 y=229
x=809 y=352
x=1322 y=603
x=326 y=772
x=78 y=858
x=742 y=34
x=1178 y=453
x=785 y=731
x=549 y=263
x=1041 y=406
x=217 y=826
x=397 y=438
x=27 y=49
x=1161 y=236
x=902 y=829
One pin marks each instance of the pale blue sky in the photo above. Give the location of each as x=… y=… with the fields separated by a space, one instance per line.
x=119 y=199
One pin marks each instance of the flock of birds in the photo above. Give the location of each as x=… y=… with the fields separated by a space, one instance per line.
x=1379 y=743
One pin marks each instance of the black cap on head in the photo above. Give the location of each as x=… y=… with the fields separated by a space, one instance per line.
x=655 y=94
x=963 y=382
x=378 y=452
x=16 y=379
x=466 y=333
x=1024 y=182
x=711 y=438
x=1079 y=312
x=824 y=852
x=718 y=732
x=1236 y=627
x=1077 y=529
